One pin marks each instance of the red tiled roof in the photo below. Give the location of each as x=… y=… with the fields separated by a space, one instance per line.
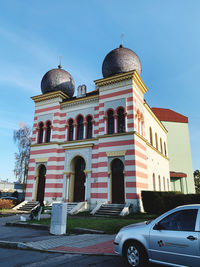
x=178 y=174
x=164 y=114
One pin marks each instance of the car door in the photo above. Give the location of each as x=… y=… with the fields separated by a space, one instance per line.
x=174 y=239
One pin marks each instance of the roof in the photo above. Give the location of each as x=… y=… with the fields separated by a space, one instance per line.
x=164 y=114
x=177 y=174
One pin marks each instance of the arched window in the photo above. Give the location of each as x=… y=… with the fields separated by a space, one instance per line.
x=111 y=123
x=41 y=132
x=121 y=120
x=164 y=183
x=168 y=184
x=89 y=127
x=80 y=128
x=71 y=130
x=159 y=182
x=161 y=148
x=156 y=138
x=154 y=182
x=165 y=149
x=48 y=132
x=151 y=136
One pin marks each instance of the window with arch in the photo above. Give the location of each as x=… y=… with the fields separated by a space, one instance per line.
x=142 y=127
x=71 y=130
x=154 y=182
x=161 y=148
x=111 y=122
x=159 y=182
x=80 y=128
x=89 y=127
x=165 y=149
x=156 y=138
x=151 y=136
x=41 y=132
x=121 y=120
x=168 y=184
x=48 y=132
x=164 y=183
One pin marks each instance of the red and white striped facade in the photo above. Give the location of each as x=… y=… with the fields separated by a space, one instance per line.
x=145 y=165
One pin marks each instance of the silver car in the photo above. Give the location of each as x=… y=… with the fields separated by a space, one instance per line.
x=172 y=239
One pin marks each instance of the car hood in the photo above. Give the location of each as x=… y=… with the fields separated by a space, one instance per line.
x=134 y=225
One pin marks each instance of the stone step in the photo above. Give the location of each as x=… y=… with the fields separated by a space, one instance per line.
x=110 y=210
x=28 y=206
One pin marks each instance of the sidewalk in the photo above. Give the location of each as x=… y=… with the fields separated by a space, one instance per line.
x=98 y=244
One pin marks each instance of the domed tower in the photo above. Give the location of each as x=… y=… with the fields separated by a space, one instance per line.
x=120 y=60
x=58 y=79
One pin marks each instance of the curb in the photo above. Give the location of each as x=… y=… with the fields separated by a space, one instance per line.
x=26 y=225
x=15 y=245
x=87 y=231
x=23 y=246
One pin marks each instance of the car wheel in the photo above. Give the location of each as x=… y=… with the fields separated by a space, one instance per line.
x=135 y=255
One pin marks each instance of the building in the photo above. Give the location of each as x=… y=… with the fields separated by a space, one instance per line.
x=106 y=145
x=180 y=163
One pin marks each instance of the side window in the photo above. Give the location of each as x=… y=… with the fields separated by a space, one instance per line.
x=184 y=220
x=89 y=127
x=111 y=123
x=80 y=128
x=121 y=120
x=71 y=130
x=48 y=132
x=41 y=132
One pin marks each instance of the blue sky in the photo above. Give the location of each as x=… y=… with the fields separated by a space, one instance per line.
x=33 y=34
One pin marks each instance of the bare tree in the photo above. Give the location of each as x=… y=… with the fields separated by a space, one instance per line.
x=22 y=138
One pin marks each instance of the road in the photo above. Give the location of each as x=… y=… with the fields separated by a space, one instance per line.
x=27 y=258
x=22 y=258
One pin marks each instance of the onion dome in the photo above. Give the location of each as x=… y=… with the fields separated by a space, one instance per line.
x=58 y=79
x=120 y=60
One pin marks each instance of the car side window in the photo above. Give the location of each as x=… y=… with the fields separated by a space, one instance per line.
x=183 y=220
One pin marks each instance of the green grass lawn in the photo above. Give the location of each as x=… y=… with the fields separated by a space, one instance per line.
x=108 y=225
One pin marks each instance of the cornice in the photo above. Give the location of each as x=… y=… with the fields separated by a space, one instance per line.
x=116 y=78
x=115 y=134
x=80 y=101
x=78 y=146
x=46 y=144
x=152 y=147
x=48 y=96
x=139 y=82
x=154 y=116
x=131 y=75
x=146 y=141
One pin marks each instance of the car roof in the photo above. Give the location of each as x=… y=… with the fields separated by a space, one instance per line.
x=189 y=206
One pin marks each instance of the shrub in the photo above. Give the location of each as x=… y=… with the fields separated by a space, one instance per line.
x=157 y=202
x=6 y=204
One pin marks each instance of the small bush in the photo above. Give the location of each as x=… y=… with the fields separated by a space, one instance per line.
x=6 y=204
x=160 y=202
x=157 y=202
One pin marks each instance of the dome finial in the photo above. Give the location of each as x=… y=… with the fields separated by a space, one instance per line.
x=122 y=37
x=60 y=59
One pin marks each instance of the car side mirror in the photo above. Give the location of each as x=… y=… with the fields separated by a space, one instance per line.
x=158 y=226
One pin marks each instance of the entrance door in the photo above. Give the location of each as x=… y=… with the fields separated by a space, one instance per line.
x=117 y=181
x=79 y=183
x=41 y=184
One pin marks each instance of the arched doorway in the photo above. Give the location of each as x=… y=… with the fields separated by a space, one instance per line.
x=41 y=183
x=117 y=168
x=79 y=179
